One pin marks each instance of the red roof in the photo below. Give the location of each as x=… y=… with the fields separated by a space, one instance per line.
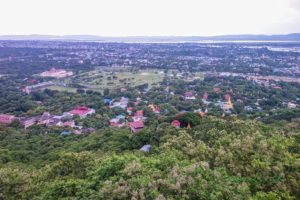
x=80 y=110
x=70 y=124
x=139 y=113
x=129 y=108
x=137 y=124
x=227 y=97
x=6 y=119
x=175 y=123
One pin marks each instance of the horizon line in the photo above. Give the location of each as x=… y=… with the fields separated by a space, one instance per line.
x=217 y=35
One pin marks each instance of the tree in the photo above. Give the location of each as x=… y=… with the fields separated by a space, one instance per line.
x=190 y=118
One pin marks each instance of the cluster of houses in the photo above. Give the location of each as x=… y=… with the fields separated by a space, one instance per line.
x=48 y=120
x=7 y=119
x=118 y=104
x=266 y=83
x=135 y=121
x=138 y=121
x=226 y=106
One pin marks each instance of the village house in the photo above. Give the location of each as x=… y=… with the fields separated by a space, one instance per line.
x=189 y=96
x=176 y=123
x=48 y=120
x=7 y=119
x=136 y=126
x=139 y=99
x=123 y=90
x=55 y=121
x=44 y=119
x=291 y=105
x=27 y=122
x=118 y=121
x=114 y=122
x=129 y=110
x=248 y=108
x=69 y=124
x=82 y=111
x=120 y=104
x=138 y=116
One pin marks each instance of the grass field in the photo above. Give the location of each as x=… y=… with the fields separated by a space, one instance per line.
x=100 y=80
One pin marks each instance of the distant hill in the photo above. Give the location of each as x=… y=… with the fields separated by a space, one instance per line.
x=289 y=37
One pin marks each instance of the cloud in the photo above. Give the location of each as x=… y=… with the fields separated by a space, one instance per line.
x=295 y=4
x=145 y=17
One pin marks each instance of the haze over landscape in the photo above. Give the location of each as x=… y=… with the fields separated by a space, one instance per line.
x=149 y=99
x=149 y=18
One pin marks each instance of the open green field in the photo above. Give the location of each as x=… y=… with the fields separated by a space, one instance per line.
x=99 y=80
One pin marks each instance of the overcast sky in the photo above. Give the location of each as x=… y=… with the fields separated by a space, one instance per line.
x=149 y=17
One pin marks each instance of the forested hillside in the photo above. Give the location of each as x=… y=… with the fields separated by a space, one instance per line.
x=216 y=159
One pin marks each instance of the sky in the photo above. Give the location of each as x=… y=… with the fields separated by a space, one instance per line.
x=149 y=17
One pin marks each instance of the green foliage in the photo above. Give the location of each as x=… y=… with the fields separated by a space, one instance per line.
x=16 y=183
x=190 y=118
x=216 y=159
